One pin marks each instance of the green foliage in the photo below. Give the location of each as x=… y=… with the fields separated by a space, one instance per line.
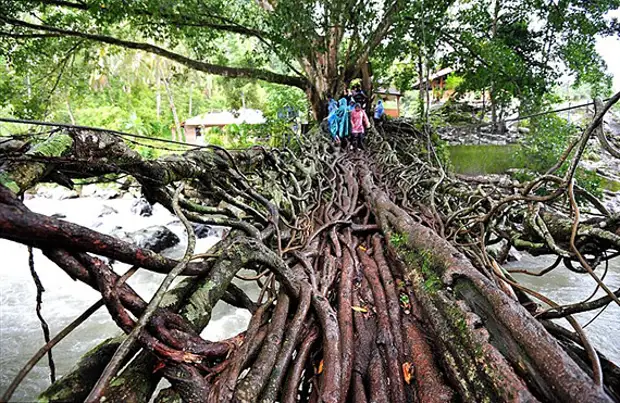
x=398 y=240
x=273 y=133
x=442 y=150
x=454 y=81
x=541 y=149
x=512 y=49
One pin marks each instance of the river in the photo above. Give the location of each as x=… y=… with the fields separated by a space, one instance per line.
x=561 y=285
x=64 y=299
x=566 y=287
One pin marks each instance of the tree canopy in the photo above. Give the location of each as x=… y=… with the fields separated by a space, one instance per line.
x=515 y=48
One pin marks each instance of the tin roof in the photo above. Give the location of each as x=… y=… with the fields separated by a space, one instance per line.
x=224 y=118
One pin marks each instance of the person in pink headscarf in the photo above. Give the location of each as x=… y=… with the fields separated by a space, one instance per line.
x=359 y=124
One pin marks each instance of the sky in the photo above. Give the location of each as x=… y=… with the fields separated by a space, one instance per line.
x=609 y=49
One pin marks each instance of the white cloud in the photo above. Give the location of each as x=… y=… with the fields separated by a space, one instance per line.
x=609 y=49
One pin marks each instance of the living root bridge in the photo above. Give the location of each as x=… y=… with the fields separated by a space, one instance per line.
x=362 y=298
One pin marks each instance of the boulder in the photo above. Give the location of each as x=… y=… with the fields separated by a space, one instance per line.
x=142 y=207
x=100 y=192
x=155 y=238
x=203 y=231
x=495 y=249
x=56 y=193
x=10 y=145
x=514 y=255
x=107 y=210
x=107 y=194
x=524 y=130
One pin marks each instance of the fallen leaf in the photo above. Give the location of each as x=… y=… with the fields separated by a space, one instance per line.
x=362 y=248
x=359 y=309
x=320 y=367
x=407 y=371
x=159 y=366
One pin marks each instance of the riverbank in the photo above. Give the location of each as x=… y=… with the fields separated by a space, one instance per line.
x=482 y=152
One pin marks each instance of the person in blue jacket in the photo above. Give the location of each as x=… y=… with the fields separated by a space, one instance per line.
x=332 y=105
x=339 y=123
x=379 y=113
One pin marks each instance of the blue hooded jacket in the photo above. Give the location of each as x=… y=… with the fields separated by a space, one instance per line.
x=332 y=106
x=338 y=120
x=379 y=110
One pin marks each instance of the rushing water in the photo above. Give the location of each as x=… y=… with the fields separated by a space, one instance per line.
x=64 y=299
x=561 y=285
x=566 y=287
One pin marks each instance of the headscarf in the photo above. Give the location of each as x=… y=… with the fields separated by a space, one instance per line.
x=338 y=120
x=379 y=110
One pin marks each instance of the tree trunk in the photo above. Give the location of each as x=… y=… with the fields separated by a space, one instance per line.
x=179 y=133
x=70 y=112
x=158 y=93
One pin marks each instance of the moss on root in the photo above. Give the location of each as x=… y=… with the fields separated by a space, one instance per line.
x=461 y=352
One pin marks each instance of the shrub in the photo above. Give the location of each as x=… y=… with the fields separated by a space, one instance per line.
x=543 y=146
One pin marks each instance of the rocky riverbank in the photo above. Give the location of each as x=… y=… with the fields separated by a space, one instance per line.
x=596 y=159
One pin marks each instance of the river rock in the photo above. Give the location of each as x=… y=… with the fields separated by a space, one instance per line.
x=524 y=130
x=203 y=231
x=107 y=210
x=142 y=207
x=100 y=192
x=495 y=249
x=57 y=193
x=11 y=145
x=155 y=238
x=514 y=255
x=612 y=203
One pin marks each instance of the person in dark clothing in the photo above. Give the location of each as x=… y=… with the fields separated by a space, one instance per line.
x=360 y=97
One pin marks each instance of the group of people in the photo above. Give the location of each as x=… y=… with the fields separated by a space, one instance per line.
x=347 y=118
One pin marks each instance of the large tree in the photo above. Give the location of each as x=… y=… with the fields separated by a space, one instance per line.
x=512 y=48
x=319 y=45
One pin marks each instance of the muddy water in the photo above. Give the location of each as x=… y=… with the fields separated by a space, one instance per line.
x=65 y=299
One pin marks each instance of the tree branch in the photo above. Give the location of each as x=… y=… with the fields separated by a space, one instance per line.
x=187 y=20
x=225 y=71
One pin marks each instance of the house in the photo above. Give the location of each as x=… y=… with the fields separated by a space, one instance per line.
x=391 y=100
x=437 y=84
x=195 y=126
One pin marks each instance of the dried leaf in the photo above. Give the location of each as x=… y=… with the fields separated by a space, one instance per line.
x=159 y=366
x=362 y=248
x=407 y=372
x=359 y=309
x=320 y=367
